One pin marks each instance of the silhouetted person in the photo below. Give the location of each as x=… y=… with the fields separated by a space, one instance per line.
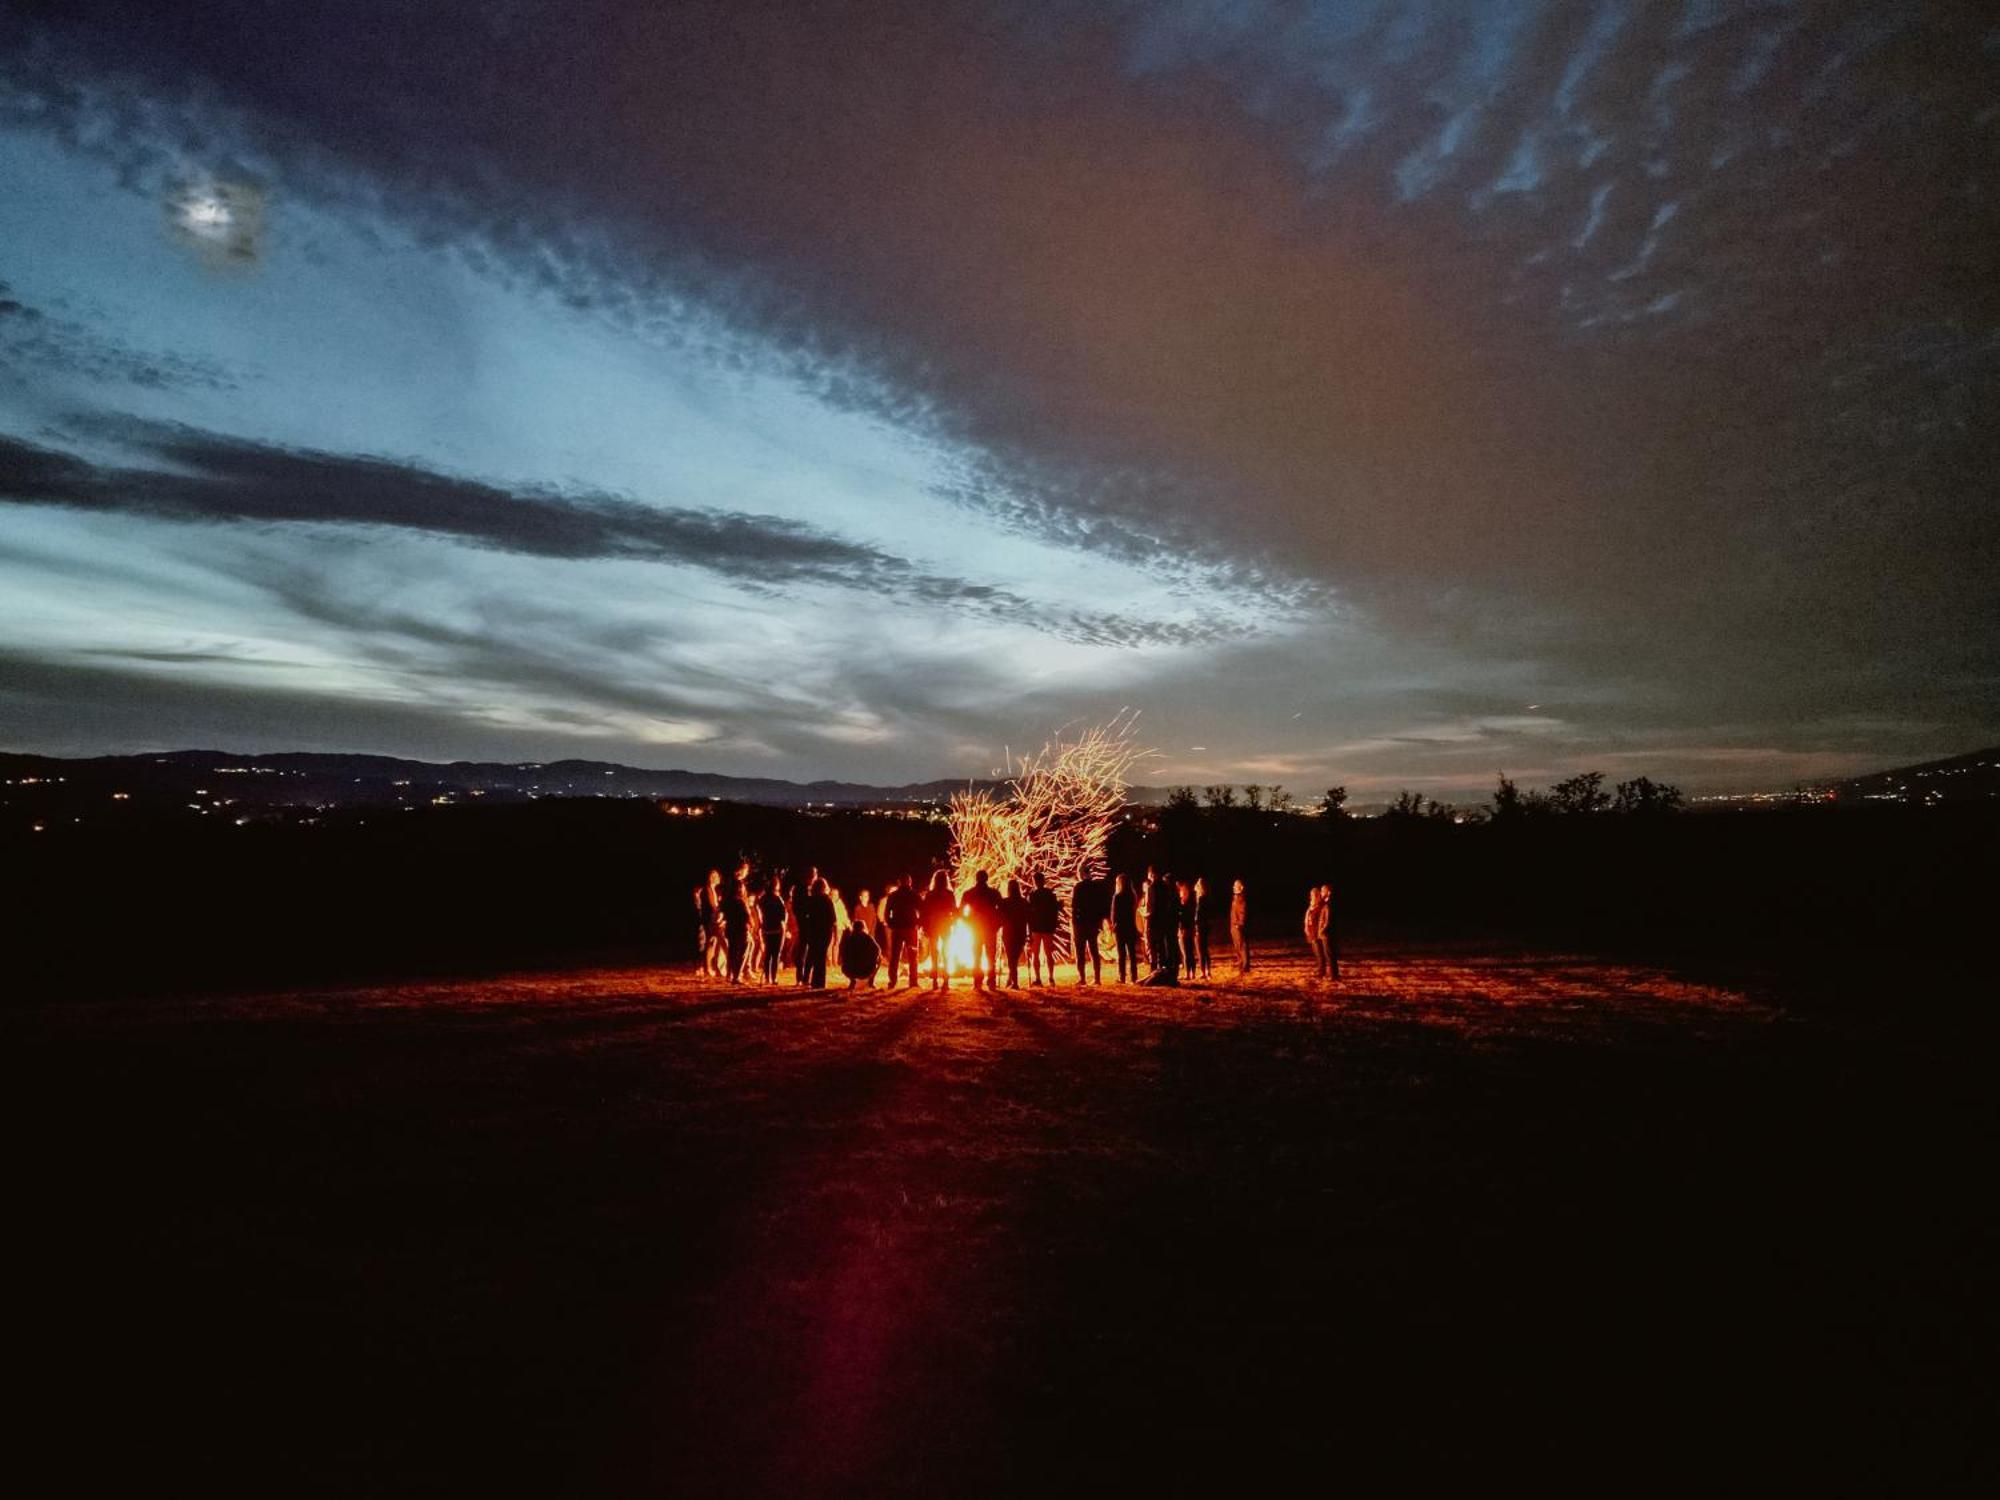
x=981 y=910
x=1190 y=960
x=1044 y=918
x=1089 y=910
x=1239 y=927
x=1163 y=921
x=1330 y=930
x=750 y=890
x=1317 y=904
x=815 y=912
x=734 y=912
x=1204 y=919
x=903 y=920
x=839 y=924
x=940 y=911
x=859 y=955
x=1014 y=931
x=708 y=932
x=795 y=896
x=1146 y=916
x=771 y=926
x=1125 y=930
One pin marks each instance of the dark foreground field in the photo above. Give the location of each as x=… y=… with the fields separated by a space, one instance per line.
x=604 y=1231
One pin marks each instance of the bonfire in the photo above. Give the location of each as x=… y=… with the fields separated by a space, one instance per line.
x=1054 y=815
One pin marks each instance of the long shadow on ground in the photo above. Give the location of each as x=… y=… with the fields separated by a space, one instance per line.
x=604 y=1232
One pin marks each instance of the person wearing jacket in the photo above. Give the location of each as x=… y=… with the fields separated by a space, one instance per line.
x=981 y=911
x=1163 y=918
x=733 y=918
x=940 y=910
x=903 y=921
x=816 y=927
x=860 y=956
x=1089 y=910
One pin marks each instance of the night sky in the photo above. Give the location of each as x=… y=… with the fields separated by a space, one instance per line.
x=1391 y=394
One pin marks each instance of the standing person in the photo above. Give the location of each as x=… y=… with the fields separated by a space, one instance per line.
x=1044 y=918
x=903 y=920
x=735 y=923
x=1163 y=921
x=1125 y=930
x=1190 y=960
x=795 y=895
x=1146 y=917
x=1204 y=918
x=771 y=912
x=864 y=916
x=1316 y=930
x=707 y=897
x=940 y=911
x=981 y=911
x=1089 y=910
x=1014 y=916
x=839 y=924
x=753 y=894
x=1329 y=932
x=1239 y=927
x=793 y=953
x=815 y=915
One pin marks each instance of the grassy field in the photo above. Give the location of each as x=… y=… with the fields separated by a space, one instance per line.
x=615 y=1230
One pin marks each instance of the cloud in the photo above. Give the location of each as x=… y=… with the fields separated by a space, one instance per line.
x=200 y=476
x=36 y=343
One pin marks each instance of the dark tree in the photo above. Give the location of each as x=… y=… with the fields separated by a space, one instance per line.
x=1253 y=795
x=1510 y=803
x=1407 y=807
x=1333 y=804
x=1582 y=793
x=1220 y=795
x=1644 y=797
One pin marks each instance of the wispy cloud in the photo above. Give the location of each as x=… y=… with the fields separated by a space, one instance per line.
x=200 y=476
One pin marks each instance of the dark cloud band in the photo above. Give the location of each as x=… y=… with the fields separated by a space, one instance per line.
x=200 y=476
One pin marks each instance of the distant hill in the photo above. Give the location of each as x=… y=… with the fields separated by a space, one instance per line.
x=303 y=777
x=218 y=779
x=1963 y=778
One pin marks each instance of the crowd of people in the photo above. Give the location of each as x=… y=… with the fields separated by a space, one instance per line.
x=749 y=930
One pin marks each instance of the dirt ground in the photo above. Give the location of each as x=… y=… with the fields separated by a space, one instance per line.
x=614 y=1230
